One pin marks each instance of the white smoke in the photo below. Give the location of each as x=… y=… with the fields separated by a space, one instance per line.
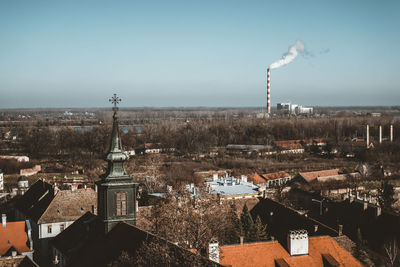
x=290 y=55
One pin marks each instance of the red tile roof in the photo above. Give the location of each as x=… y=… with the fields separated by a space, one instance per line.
x=310 y=176
x=13 y=235
x=257 y=179
x=275 y=175
x=266 y=253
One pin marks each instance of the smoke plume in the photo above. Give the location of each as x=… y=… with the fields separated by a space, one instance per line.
x=290 y=55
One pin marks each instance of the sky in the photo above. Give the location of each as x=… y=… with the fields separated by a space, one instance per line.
x=197 y=53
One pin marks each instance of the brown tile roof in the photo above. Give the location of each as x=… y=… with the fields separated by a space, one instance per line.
x=13 y=235
x=275 y=175
x=41 y=204
x=266 y=253
x=310 y=176
x=289 y=144
x=256 y=178
x=69 y=205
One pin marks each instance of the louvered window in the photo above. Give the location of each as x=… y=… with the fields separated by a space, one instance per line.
x=121 y=203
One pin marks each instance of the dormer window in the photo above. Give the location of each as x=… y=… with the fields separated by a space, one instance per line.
x=121 y=203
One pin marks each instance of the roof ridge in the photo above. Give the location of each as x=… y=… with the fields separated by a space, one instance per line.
x=48 y=206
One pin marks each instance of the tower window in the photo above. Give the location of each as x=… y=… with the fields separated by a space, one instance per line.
x=121 y=203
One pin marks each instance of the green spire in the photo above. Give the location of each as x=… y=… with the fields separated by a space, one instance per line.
x=116 y=156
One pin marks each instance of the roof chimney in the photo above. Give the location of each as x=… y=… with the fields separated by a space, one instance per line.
x=298 y=242
x=340 y=229
x=4 y=220
x=213 y=251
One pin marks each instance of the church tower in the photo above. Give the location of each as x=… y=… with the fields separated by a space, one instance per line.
x=116 y=197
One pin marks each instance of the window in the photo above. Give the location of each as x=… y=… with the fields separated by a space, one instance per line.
x=49 y=229
x=121 y=203
x=62 y=227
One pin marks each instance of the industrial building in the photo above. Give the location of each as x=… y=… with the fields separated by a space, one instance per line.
x=294 y=109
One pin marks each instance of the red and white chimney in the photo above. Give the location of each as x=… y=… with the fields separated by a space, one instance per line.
x=268 y=91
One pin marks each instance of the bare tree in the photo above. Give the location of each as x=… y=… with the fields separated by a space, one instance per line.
x=391 y=251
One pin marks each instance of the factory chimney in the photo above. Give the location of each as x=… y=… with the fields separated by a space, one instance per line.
x=391 y=133
x=268 y=91
x=380 y=134
x=367 y=135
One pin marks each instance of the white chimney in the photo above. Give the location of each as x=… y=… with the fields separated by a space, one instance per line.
x=391 y=133
x=380 y=134
x=367 y=135
x=215 y=176
x=213 y=251
x=4 y=220
x=137 y=206
x=298 y=242
x=244 y=178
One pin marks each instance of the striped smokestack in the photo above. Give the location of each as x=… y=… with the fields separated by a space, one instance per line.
x=268 y=91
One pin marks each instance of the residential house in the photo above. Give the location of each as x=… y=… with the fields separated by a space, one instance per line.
x=322 y=175
x=301 y=250
x=248 y=149
x=15 y=238
x=50 y=211
x=289 y=146
x=16 y=158
x=276 y=178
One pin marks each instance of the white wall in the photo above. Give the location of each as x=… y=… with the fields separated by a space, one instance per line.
x=55 y=229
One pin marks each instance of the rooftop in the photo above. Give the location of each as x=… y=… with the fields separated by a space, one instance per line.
x=69 y=205
x=229 y=186
x=310 y=176
x=266 y=253
x=13 y=235
x=275 y=175
x=256 y=178
x=41 y=204
x=289 y=144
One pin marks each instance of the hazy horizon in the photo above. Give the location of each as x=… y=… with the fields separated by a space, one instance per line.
x=197 y=54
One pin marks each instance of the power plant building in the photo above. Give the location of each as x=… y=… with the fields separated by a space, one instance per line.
x=294 y=109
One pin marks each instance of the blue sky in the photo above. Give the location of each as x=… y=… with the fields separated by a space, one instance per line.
x=197 y=53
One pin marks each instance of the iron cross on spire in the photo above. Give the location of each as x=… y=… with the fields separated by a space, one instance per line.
x=115 y=100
